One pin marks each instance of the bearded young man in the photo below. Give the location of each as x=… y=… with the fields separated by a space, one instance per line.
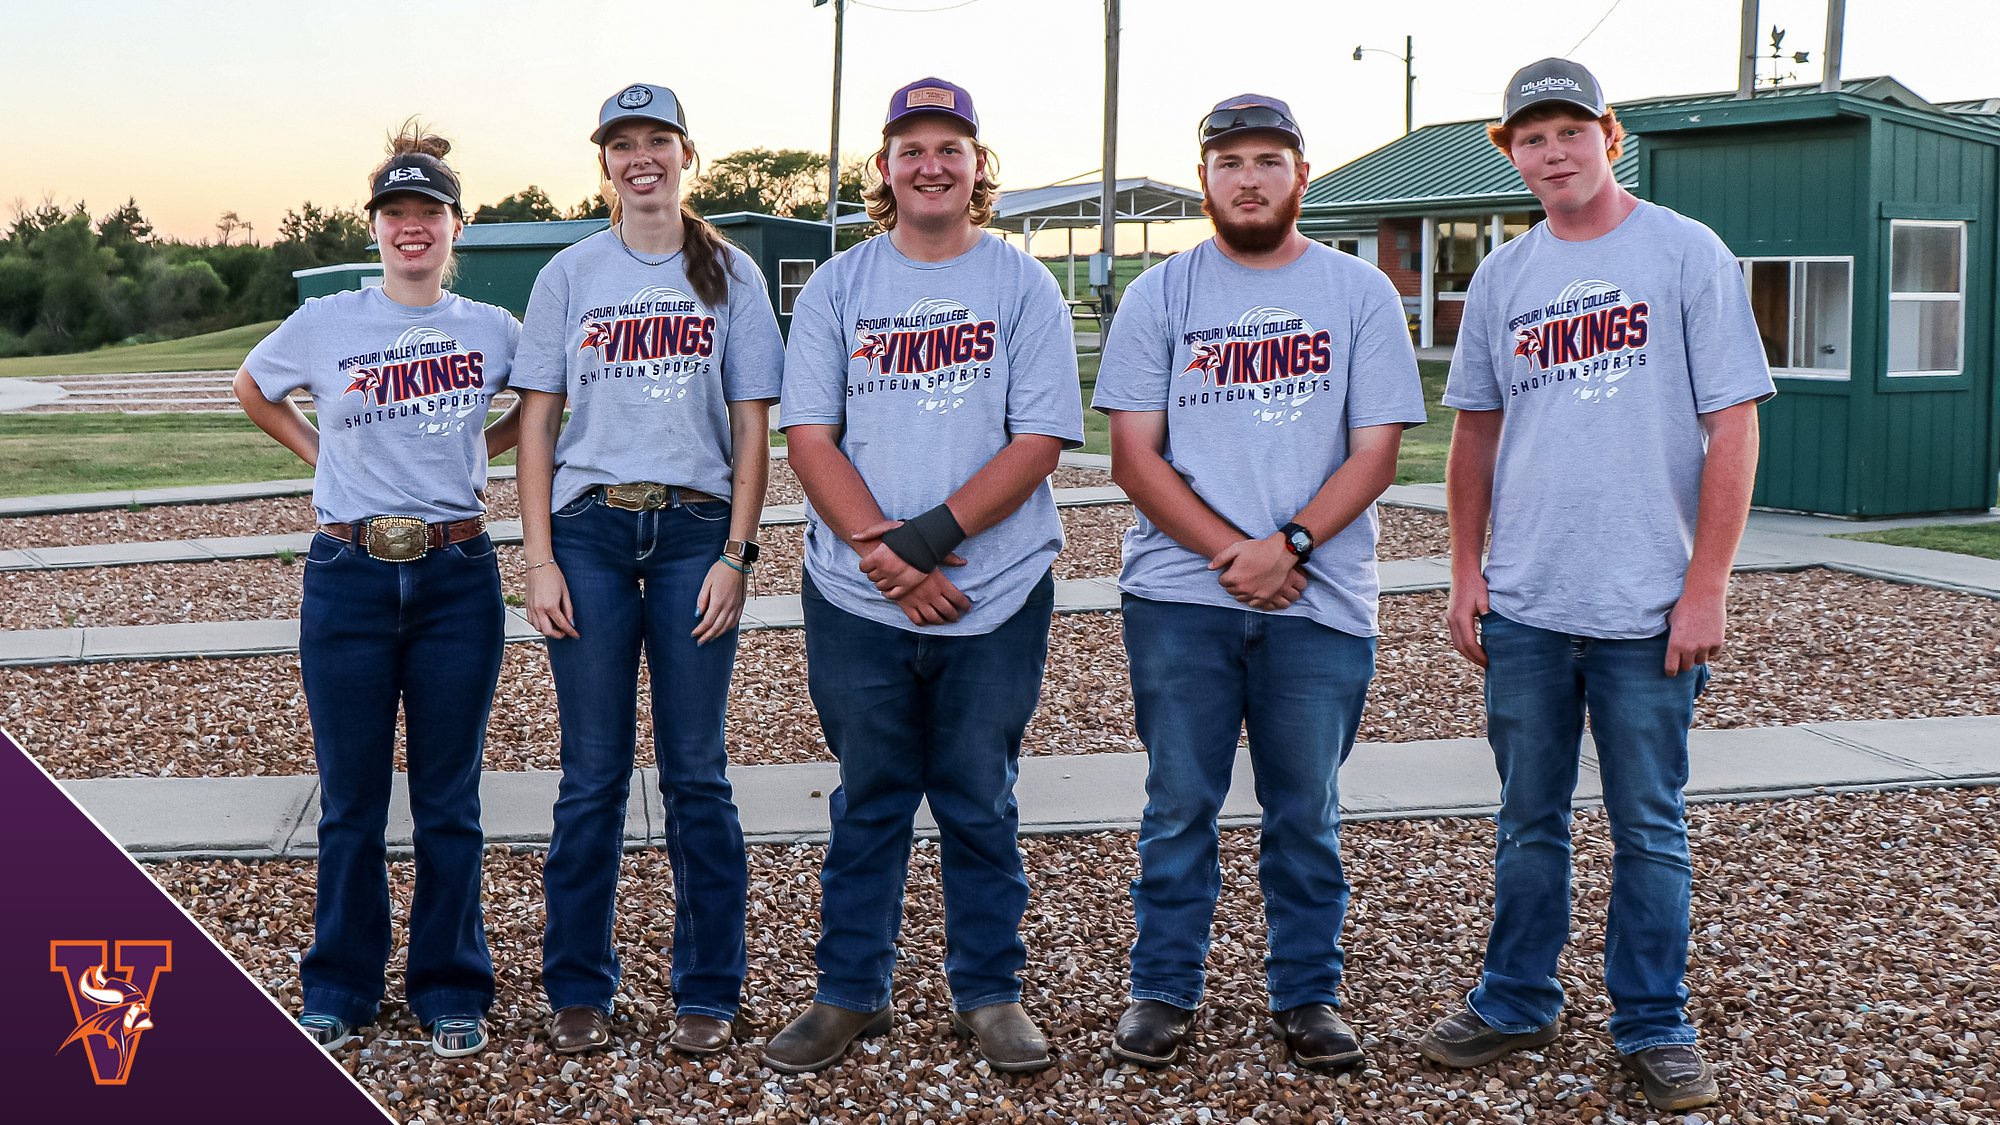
x=1258 y=386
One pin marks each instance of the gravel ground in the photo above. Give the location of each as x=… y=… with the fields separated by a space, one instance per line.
x=285 y=514
x=1844 y=971
x=247 y=589
x=1807 y=647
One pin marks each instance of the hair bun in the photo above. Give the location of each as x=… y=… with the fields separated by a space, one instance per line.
x=412 y=138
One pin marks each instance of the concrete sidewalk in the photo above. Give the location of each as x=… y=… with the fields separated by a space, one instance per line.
x=275 y=817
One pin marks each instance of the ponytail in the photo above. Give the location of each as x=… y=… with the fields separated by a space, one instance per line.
x=704 y=251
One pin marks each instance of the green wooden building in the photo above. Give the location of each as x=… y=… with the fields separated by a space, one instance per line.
x=1867 y=221
x=497 y=262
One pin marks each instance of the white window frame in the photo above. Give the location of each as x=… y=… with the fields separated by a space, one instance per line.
x=1792 y=314
x=788 y=295
x=1894 y=296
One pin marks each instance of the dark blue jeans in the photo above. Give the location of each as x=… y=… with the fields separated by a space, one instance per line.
x=913 y=716
x=426 y=635
x=633 y=580
x=1199 y=674
x=1539 y=687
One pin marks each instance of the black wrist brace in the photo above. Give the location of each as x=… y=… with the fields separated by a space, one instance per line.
x=924 y=541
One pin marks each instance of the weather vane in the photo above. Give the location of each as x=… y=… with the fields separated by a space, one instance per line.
x=1778 y=57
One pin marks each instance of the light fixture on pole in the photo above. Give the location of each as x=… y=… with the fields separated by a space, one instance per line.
x=1408 y=58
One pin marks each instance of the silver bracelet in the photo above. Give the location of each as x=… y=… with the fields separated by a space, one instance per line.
x=537 y=566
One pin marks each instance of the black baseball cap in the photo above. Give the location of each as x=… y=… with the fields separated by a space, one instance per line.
x=1552 y=80
x=416 y=172
x=931 y=95
x=644 y=102
x=1249 y=113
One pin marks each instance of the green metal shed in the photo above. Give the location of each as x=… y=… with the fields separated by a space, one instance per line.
x=1868 y=221
x=323 y=280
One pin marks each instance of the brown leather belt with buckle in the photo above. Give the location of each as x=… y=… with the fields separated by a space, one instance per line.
x=403 y=538
x=649 y=496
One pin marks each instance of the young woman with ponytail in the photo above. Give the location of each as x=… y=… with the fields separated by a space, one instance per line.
x=639 y=525
x=402 y=597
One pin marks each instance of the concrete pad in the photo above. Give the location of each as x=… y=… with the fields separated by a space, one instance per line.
x=254 y=546
x=1090 y=497
x=1429 y=497
x=189 y=639
x=1784 y=759
x=518 y=630
x=1085 y=792
x=504 y=531
x=1915 y=565
x=57 y=502
x=1076 y=458
x=1955 y=748
x=515 y=807
x=123 y=554
x=774 y=611
x=40 y=646
x=195 y=816
x=786 y=803
x=20 y=558
x=782 y=515
x=224 y=493
x=1452 y=776
x=1087 y=595
x=1414 y=576
x=19 y=394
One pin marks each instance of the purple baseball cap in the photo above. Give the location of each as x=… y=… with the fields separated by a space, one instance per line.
x=1249 y=113
x=931 y=95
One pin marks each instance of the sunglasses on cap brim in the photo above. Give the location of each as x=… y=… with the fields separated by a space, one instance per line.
x=1248 y=117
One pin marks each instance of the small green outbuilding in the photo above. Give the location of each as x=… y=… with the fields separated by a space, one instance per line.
x=1868 y=221
x=497 y=262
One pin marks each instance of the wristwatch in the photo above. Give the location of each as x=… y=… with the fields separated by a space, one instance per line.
x=745 y=549
x=1298 y=540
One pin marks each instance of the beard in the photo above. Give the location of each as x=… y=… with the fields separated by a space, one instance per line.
x=1254 y=236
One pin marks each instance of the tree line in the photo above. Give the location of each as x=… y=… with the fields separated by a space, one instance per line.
x=71 y=282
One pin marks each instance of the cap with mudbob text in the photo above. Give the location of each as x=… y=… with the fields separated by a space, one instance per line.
x=931 y=95
x=642 y=102
x=1552 y=80
x=416 y=172
x=1249 y=113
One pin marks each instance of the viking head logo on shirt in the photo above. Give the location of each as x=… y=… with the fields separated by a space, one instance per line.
x=112 y=1009
x=660 y=339
x=1590 y=337
x=938 y=348
x=1269 y=358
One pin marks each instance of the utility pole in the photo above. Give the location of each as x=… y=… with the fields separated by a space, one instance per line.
x=1107 y=206
x=1409 y=83
x=833 y=142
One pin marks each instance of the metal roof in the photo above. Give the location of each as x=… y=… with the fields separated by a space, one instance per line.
x=1439 y=167
x=1138 y=200
x=563 y=232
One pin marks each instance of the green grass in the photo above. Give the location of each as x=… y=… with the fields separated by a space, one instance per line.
x=47 y=453
x=1981 y=539
x=211 y=351
x=1424 y=447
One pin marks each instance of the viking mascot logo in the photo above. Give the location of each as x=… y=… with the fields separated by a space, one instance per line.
x=112 y=1011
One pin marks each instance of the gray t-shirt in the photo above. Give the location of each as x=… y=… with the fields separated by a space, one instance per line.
x=930 y=367
x=649 y=369
x=401 y=395
x=1602 y=354
x=1261 y=374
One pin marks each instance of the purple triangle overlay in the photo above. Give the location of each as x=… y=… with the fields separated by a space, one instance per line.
x=107 y=977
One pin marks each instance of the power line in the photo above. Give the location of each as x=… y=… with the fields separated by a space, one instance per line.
x=1572 y=50
x=912 y=11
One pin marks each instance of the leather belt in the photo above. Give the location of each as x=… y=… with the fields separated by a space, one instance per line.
x=403 y=538
x=649 y=496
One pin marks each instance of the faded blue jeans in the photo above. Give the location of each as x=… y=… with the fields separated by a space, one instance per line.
x=915 y=716
x=1540 y=685
x=1200 y=673
x=633 y=580
x=423 y=636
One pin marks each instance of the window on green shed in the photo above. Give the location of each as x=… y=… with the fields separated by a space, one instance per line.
x=1926 y=298
x=792 y=275
x=1804 y=312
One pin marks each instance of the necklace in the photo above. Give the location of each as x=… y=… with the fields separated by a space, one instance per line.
x=618 y=232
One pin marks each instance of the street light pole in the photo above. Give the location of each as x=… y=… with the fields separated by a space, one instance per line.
x=1409 y=58
x=833 y=141
x=1107 y=205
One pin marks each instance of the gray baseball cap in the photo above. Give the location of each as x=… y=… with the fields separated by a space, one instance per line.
x=641 y=101
x=1552 y=80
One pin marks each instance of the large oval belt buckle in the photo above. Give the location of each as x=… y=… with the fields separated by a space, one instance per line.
x=397 y=538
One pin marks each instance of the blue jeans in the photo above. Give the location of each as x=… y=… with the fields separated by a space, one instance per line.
x=912 y=716
x=1199 y=674
x=633 y=580
x=1539 y=687
x=424 y=635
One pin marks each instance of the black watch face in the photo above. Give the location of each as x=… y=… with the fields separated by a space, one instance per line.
x=751 y=551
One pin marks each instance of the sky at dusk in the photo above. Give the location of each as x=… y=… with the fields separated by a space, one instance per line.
x=194 y=108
